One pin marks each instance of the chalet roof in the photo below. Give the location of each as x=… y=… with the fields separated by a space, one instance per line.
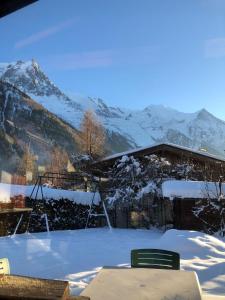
x=169 y=147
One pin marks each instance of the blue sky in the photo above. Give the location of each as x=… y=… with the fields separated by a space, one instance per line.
x=131 y=53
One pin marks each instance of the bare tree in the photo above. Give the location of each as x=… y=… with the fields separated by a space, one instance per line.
x=27 y=165
x=58 y=161
x=92 y=136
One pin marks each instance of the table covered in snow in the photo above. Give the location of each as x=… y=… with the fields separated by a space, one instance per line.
x=143 y=284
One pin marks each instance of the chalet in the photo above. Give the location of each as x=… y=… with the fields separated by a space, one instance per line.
x=170 y=151
x=176 y=205
x=183 y=204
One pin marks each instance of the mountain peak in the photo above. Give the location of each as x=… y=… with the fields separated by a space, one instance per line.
x=154 y=106
x=31 y=64
x=23 y=65
x=204 y=114
x=203 y=110
x=29 y=78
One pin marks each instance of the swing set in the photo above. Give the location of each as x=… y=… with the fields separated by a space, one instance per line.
x=73 y=180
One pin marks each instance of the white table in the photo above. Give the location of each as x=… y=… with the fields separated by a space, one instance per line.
x=143 y=284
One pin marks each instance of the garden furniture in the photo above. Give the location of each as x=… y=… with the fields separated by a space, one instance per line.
x=155 y=258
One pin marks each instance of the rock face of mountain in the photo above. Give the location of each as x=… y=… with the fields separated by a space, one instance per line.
x=30 y=79
x=25 y=122
x=125 y=128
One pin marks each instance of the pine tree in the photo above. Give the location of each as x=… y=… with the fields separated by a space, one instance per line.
x=92 y=136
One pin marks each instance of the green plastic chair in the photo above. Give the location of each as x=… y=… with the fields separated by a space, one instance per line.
x=155 y=258
x=4 y=266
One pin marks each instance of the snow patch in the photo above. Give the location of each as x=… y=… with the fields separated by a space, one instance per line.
x=191 y=189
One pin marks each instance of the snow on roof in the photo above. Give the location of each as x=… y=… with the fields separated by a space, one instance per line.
x=191 y=189
x=133 y=151
x=80 y=197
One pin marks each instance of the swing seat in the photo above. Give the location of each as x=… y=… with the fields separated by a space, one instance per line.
x=4 y=266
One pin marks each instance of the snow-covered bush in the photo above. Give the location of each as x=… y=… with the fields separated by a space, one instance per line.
x=211 y=210
x=82 y=162
x=135 y=190
x=136 y=183
x=132 y=178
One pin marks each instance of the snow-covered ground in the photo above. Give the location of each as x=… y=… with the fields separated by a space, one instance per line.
x=78 y=255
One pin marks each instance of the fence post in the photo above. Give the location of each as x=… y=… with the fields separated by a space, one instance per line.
x=115 y=215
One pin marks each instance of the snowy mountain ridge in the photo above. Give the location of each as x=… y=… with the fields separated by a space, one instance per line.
x=154 y=124
x=23 y=121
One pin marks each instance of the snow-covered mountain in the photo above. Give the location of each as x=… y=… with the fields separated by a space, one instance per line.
x=126 y=128
x=25 y=122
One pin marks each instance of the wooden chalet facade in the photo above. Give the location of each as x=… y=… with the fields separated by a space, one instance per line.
x=176 y=213
x=213 y=165
x=173 y=152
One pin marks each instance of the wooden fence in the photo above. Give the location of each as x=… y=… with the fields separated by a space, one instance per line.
x=149 y=212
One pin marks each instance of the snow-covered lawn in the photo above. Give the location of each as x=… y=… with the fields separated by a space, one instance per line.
x=78 y=255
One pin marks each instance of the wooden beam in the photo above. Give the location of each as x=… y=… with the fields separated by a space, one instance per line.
x=9 y=6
